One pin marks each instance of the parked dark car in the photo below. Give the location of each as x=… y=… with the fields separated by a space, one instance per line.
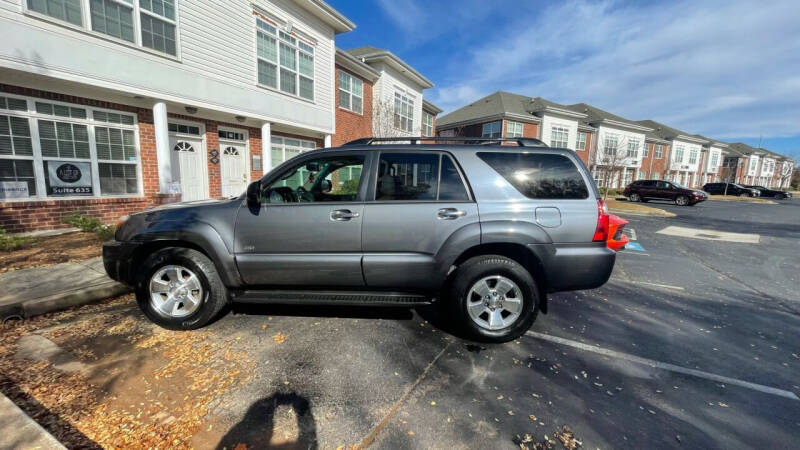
x=386 y=224
x=644 y=190
x=733 y=189
x=767 y=192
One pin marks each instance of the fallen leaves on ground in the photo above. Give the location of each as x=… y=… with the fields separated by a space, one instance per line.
x=147 y=388
x=279 y=338
x=564 y=436
x=49 y=250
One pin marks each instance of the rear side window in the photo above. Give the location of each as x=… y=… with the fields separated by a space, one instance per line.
x=451 y=186
x=539 y=175
x=408 y=176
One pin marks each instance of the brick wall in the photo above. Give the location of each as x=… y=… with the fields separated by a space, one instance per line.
x=16 y=217
x=651 y=164
x=350 y=125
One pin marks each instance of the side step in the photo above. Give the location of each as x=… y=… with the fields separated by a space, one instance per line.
x=345 y=298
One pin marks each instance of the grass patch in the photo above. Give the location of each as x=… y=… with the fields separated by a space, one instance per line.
x=11 y=242
x=733 y=198
x=90 y=225
x=636 y=208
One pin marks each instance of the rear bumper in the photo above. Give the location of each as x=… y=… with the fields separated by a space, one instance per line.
x=571 y=267
x=118 y=260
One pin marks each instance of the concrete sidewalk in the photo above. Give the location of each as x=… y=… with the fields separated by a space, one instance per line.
x=30 y=292
x=17 y=430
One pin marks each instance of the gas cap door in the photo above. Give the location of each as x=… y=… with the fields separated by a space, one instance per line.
x=548 y=216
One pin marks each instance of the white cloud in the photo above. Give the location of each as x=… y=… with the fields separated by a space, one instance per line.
x=721 y=68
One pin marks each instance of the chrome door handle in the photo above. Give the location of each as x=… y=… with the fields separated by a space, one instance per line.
x=450 y=213
x=341 y=215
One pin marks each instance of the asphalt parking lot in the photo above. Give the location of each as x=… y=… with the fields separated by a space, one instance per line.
x=692 y=343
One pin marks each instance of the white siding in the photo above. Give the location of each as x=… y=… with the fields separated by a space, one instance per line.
x=711 y=151
x=216 y=68
x=683 y=164
x=392 y=81
x=548 y=122
x=752 y=168
x=624 y=137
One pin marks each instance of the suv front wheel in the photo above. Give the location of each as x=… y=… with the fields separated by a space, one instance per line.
x=495 y=298
x=180 y=289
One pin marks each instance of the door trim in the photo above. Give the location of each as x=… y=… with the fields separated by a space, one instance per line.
x=203 y=149
x=247 y=162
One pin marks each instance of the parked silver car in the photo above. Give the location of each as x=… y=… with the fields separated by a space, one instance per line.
x=481 y=227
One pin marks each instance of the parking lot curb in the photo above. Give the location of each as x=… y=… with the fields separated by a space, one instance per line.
x=64 y=300
x=18 y=430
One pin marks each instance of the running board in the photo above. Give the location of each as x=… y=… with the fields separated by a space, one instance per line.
x=349 y=298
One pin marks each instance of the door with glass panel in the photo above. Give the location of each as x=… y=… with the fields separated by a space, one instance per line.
x=188 y=167
x=426 y=192
x=233 y=167
x=307 y=229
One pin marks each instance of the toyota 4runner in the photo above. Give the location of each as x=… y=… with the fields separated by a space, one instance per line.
x=481 y=227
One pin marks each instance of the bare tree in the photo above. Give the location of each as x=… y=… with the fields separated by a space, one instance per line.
x=785 y=174
x=383 y=124
x=610 y=160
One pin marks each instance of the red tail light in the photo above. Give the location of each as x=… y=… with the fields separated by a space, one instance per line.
x=601 y=232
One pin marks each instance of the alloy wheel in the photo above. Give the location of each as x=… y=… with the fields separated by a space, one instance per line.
x=175 y=291
x=494 y=302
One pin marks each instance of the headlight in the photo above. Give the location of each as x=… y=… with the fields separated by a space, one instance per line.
x=121 y=221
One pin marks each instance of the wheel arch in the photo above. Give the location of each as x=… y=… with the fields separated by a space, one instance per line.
x=520 y=253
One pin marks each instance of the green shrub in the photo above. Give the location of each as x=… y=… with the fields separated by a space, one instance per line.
x=90 y=225
x=9 y=242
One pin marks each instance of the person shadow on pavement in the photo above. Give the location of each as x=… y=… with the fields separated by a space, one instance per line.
x=256 y=428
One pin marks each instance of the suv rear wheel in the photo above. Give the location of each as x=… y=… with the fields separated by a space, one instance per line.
x=494 y=297
x=180 y=289
x=635 y=197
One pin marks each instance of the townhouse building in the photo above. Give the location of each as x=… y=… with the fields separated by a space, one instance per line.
x=379 y=94
x=110 y=106
x=756 y=166
x=507 y=115
x=685 y=160
x=712 y=156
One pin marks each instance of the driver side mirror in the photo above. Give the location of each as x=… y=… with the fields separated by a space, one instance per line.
x=254 y=194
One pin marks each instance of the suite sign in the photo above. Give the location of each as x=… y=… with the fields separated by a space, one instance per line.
x=69 y=178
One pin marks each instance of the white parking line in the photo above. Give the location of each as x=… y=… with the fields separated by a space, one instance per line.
x=711 y=235
x=631 y=233
x=665 y=366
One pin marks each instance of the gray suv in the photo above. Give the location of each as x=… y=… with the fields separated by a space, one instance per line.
x=481 y=227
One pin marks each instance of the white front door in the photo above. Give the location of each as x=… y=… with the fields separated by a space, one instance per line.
x=188 y=167
x=233 y=165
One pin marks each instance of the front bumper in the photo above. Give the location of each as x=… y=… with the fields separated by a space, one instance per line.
x=118 y=260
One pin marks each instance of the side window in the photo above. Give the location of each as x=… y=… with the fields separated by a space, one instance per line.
x=332 y=179
x=662 y=185
x=539 y=175
x=407 y=176
x=451 y=186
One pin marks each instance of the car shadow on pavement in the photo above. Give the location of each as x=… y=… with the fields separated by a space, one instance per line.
x=258 y=426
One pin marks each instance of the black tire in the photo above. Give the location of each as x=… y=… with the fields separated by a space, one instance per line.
x=745 y=194
x=682 y=200
x=215 y=295
x=779 y=196
x=476 y=268
x=634 y=197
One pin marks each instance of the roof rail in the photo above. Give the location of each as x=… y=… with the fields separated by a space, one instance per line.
x=414 y=140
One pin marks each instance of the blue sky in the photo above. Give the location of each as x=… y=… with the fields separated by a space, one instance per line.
x=725 y=69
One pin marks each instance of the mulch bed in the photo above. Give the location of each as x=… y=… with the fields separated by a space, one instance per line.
x=49 y=250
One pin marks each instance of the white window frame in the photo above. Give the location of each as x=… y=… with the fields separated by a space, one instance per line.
x=490 y=129
x=350 y=92
x=659 y=151
x=556 y=133
x=274 y=144
x=38 y=159
x=679 y=152
x=633 y=148
x=86 y=25
x=298 y=50
x=403 y=99
x=580 y=142
x=610 y=142
x=645 y=150
x=427 y=123
x=693 y=153
x=514 y=129
x=714 y=160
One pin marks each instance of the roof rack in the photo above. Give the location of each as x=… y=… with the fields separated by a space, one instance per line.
x=522 y=142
